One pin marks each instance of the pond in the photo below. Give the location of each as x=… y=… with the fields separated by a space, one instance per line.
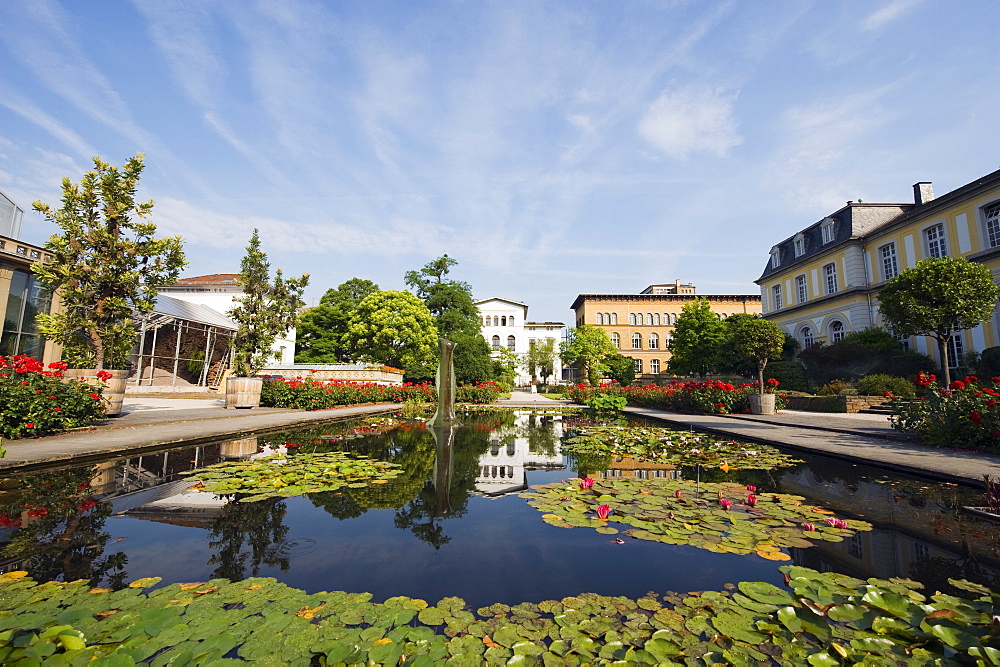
x=455 y=523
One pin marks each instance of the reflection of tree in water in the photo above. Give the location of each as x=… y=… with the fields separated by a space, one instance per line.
x=246 y=532
x=935 y=572
x=60 y=528
x=541 y=434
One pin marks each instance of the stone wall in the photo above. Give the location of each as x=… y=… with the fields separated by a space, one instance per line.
x=848 y=404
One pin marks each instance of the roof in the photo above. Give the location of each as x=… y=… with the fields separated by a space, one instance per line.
x=497 y=298
x=192 y=312
x=661 y=298
x=230 y=279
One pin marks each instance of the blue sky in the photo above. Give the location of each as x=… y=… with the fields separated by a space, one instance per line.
x=553 y=148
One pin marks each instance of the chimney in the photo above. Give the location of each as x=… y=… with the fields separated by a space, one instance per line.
x=922 y=193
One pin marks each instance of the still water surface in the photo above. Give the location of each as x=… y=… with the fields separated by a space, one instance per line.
x=460 y=529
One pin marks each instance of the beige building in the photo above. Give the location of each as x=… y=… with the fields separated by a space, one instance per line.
x=641 y=325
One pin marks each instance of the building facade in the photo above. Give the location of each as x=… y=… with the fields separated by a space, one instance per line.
x=505 y=326
x=823 y=283
x=641 y=325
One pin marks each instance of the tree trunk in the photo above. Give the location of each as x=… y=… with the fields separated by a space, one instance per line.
x=943 y=355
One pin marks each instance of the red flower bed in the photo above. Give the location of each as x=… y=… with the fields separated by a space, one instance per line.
x=310 y=394
x=37 y=400
x=704 y=397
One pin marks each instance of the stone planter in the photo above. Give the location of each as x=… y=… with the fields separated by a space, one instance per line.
x=243 y=392
x=762 y=404
x=112 y=390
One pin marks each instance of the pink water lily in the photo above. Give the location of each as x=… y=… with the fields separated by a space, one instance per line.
x=751 y=488
x=586 y=483
x=836 y=523
x=677 y=493
x=751 y=500
x=726 y=504
x=603 y=511
x=809 y=527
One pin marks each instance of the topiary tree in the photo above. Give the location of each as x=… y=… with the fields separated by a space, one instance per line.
x=939 y=297
x=759 y=339
x=106 y=265
x=264 y=311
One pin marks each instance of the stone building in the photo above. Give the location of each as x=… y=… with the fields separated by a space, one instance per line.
x=505 y=326
x=641 y=325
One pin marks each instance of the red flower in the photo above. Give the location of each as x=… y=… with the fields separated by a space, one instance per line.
x=957 y=385
x=104 y=376
x=976 y=417
x=95 y=396
x=87 y=504
x=38 y=512
x=29 y=425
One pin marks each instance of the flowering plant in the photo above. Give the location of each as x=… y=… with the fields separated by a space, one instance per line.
x=966 y=413
x=704 y=397
x=309 y=394
x=36 y=400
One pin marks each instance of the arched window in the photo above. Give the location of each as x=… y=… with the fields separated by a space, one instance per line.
x=649 y=319
x=503 y=321
x=616 y=340
x=807 y=337
x=496 y=343
x=637 y=341
x=656 y=319
x=614 y=318
x=511 y=343
x=496 y=320
x=631 y=319
x=991 y=217
x=510 y=321
x=600 y=319
x=654 y=341
x=837 y=332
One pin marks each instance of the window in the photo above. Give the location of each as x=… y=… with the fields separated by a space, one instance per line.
x=855 y=548
x=799 y=243
x=776 y=291
x=637 y=365
x=800 y=287
x=616 y=340
x=837 y=332
x=649 y=319
x=887 y=255
x=496 y=320
x=775 y=257
x=830 y=273
x=827 y=230
x=991 y=216
x=654 y=366
x=654 y=341
x=511 y=343
x=936 y=245
x=807 y=337
x=956 y=350
x=600 y=319
x=632 y=318
x=656 y=319
x=636 y=341
x=614 y=318
x=496 y=343
x=25 y=300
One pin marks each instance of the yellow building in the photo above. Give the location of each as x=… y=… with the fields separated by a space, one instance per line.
x=823 y=283
x=641 y=325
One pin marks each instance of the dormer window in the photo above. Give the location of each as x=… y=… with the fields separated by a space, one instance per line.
x=799 y=243
x=775 y=257
x=827 y=230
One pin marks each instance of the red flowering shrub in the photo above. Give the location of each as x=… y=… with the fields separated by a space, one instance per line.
x=966 y=414
x=35 y=400
x=310 y=394
x=705 y=397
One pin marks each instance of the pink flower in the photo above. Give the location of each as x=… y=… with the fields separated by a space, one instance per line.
x=751 y=500
x=809 y=527
x=677 y=493
x=586 y=483
x=726 y=504
x=751 y=488
x=603 y=511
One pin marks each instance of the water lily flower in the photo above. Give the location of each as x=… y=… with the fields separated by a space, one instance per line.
x=586 y=483
x=809 y=527
x=726 y=504
x=751 y=488
x=619 y=540
x=751 y=500
x=677 y=493
x=603 y=511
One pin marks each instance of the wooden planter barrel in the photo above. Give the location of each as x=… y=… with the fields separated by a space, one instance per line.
x=243 y=392
x=112 y=390
x=762 y=404
x=243 y=448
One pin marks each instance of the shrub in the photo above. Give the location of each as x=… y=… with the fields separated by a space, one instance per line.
x=790 y=374
x=35 y=400
x=880 y=384
x=310 y=394
x=989 y=363
x=834 y=388
x=707 y=397
x=964 y=414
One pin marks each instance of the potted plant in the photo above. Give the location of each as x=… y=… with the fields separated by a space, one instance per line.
x=265 y=310
x=105 y=268
x=758 y=339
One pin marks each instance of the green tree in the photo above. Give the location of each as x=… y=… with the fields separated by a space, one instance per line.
x=505 y=366
x=456 y=317
x=939 y=297
x=584 y=350
x=106 y=265
x=319 y=337
x=393 y=328
x=758 y=339
x=619 y=368
x=697 y=340
x=730 y=360
x=541 y=358
x=264 y=311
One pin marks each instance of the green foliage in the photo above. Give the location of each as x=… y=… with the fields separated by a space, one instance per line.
x=989 y=363
x=722 y=517
x=584 y=349
x=880 y=383
x=835 y=388
x=541 y=358
x=264 y=311
x=697 y=341
x=36 y=401
x=964 y=414
x=620 y=368
x=320 y=332
x=790 y=374
x=195 y=363
x=860 y=353
x=939 y=297
x=758 y=339
x=281 y=476
x=876 y=339
x=394 y=328
x=106 y=264
x=605 y=404
x=820 y=619
x=679 y=448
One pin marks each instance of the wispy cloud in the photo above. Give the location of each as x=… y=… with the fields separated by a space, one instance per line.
x=35 y=114
x=887 y=14
x=691 y=119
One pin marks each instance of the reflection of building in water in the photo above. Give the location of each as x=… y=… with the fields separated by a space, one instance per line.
x=512 y=452
x=912 y=536
x=626 y=466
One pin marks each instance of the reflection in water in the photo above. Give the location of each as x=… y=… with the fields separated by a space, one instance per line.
x=244 y=536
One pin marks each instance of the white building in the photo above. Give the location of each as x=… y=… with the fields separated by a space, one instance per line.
x=505 y=326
